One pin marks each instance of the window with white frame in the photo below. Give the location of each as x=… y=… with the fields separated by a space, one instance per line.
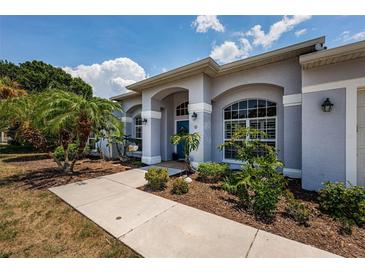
x=138 y=127
x=254 y=113
x=182 y=109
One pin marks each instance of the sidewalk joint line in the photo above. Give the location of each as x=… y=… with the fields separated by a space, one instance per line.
x=254 y=238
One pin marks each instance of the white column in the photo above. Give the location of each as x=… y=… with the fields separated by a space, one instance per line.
x=202 y=125
x=351 y=134
x=151 y=153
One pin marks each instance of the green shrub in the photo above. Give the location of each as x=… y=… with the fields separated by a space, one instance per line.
x=180 y=186
x=260 y=195
x=212 y=171
x=157 y=178
x=296 y=210
x=59 y=152
x=231 y=182
x=259 y=184
x=346 y=204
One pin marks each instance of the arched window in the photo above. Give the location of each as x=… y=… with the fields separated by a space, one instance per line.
x=254 y=113
x=182 y=109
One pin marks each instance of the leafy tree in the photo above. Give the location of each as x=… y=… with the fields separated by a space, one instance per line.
x=259 y=185
x=8 y=69
x=79 y=87
x=190 y=143
x=37 y=76
x=73 y=118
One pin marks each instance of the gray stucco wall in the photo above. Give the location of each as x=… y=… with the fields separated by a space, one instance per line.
x=293 y=137
x=129 y=103
x=286 y=74
x=337 y=72
x=323 y=139
x=274 y=94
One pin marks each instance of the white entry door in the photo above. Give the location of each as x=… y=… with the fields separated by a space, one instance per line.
x=361 y=138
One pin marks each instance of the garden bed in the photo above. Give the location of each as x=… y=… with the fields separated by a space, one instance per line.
x=322 y=232
x=38 y=171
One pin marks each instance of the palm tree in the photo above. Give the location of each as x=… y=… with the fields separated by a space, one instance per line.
x=21 y=114
x=10 y=89
x=190 y=143
x=73 y=117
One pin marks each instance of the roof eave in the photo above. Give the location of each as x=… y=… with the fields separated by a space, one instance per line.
x=206 y=65
x=333 y=55
x=210 y=67
x=124 y=95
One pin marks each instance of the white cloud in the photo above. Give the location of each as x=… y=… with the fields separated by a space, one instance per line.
x=229 y=51
x=286 y=24
x=110 y=77
x=203 y=23
x=300 y=32
x=346 y=36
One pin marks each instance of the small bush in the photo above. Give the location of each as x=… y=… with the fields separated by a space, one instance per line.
x=297 y=210
x=157 y=178
x=180 y=186
x=231 y=182
x=346 y=204
x=59 y=152
x=260 y=196
x=212 y=171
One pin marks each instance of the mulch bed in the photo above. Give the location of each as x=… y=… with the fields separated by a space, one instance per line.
x=322 y=232
x=42 y=172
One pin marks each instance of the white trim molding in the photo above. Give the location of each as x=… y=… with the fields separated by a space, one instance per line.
x=151 y=114
x=351 y=134
x=200 y=107
x=359 y=82
x=125 y=119
x=292 y=172
x=151 y=160
x=292 y=100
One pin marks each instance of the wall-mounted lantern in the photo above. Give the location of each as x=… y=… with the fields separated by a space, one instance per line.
x=327 y=105
x=194 y=116
x=144 y=121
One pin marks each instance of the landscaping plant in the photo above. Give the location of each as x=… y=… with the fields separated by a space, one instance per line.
x=346 y=204
x=212 y=171
x=157 y=178
x=260 y=184
x=21 y=117
x=73 y=118
x=297 y=210
x=180 y=186
x=61 y=155
x=190 y=143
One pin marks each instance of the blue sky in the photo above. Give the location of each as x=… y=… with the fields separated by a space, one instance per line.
x=140 y=46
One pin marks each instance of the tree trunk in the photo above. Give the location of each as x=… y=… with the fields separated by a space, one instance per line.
x=67 y=166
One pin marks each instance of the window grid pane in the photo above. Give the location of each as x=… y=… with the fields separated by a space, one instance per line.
x=241 y=114
x=182 y=109
x=138 y=127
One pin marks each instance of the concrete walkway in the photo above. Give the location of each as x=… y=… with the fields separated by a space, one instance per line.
x=157 y=227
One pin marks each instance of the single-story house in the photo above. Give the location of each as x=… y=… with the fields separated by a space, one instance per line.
x=310 y=101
